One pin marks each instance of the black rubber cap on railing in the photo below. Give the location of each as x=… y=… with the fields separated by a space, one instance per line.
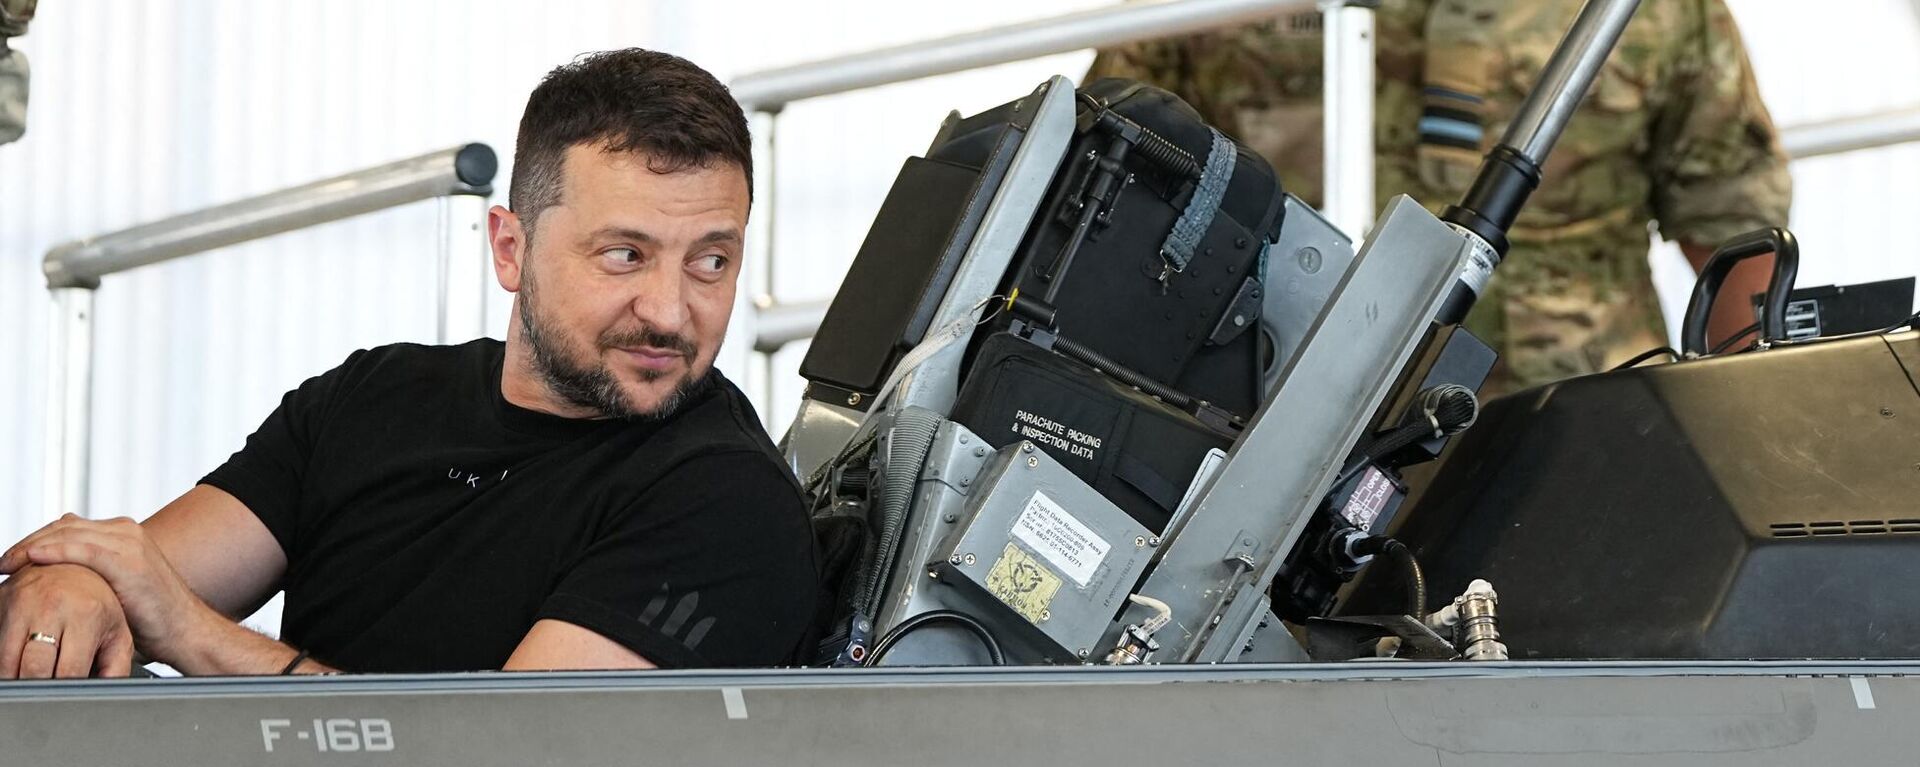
x=475 y=164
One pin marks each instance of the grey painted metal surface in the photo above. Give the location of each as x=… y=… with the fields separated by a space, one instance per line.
x=1269 y=642
x=1036 y=540
x=936 y=380
x=1380 y=713
x=947 y=480
x=453 y=171
x=1848 y=134
x=1303 y=268
x=818 y=433
x=1252 y=513
x=772 y=89
x=1564 y=81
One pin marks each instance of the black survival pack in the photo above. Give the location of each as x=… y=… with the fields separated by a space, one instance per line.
x=1148 y=247
x=1132 y=345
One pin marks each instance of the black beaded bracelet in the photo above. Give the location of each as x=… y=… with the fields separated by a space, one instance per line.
x=295 y=663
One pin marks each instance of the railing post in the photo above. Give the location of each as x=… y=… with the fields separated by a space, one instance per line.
x=757 y=281
x=463 y=270
x=1347 y=65
x=69 y=404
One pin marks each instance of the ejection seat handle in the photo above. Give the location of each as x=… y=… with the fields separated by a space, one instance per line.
x=1773 y=320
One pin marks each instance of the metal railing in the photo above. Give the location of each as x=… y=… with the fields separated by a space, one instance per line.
x=1348 y=170
x=769 y=90
x=1850 y=134
x=1349 y=75
x=460 y=177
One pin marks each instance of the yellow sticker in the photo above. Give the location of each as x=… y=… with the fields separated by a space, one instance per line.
x=1023 y=583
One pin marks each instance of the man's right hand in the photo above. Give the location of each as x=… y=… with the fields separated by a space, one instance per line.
x=77 y=609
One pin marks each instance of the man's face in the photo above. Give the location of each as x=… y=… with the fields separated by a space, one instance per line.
x=627 y=283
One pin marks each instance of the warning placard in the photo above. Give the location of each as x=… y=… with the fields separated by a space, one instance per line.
x=1023 y=584
x=1071 y=547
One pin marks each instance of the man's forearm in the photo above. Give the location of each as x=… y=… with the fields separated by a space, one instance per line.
x=220 y=647
x=169 y=620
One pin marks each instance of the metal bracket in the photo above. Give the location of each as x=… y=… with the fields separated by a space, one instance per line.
x=1242 y=551
x=1243 y=313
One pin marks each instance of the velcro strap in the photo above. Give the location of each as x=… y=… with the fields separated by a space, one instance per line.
x=1143 y=478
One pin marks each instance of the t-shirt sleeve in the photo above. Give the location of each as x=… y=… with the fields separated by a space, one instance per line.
x=712 y=566
x=268 y=472
x=1717 y=163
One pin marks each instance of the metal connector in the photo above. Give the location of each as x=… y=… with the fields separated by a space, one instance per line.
x=1479 y=629
x=1136 y=642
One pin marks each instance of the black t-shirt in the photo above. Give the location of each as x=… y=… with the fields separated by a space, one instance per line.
x=428 y=523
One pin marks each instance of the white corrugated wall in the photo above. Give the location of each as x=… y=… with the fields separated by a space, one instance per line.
x=145 y=109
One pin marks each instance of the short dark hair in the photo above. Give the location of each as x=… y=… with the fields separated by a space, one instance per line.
x=629 y=100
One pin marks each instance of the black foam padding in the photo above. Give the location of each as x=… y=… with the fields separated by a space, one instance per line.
x=896 y=282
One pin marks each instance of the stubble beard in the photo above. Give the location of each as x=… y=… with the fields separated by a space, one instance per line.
x=589 y=383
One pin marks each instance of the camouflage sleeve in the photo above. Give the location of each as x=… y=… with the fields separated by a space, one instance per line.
x=1156 y=62
x=14 y=15
x=1204 y=70
x=1718 y=169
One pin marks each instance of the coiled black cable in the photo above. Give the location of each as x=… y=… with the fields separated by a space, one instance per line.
x=886 y=643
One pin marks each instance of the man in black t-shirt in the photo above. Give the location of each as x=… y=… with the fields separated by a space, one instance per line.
x=589 y=494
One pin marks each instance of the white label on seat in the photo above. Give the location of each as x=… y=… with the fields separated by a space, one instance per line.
x=1063 y=541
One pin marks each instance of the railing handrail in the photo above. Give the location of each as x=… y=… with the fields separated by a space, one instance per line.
x=1806 y=140
x=771 y=89
x=1847 y=134
x=780 y=324
x=467 y=169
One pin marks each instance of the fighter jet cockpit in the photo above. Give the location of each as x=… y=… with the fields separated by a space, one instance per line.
x=1113 y=446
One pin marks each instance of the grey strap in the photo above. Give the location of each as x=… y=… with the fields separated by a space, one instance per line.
x=1192 y=225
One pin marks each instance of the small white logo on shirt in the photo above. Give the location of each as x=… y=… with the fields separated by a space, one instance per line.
x=471 y=479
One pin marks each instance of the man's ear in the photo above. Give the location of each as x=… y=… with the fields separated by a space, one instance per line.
x=509 y=241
